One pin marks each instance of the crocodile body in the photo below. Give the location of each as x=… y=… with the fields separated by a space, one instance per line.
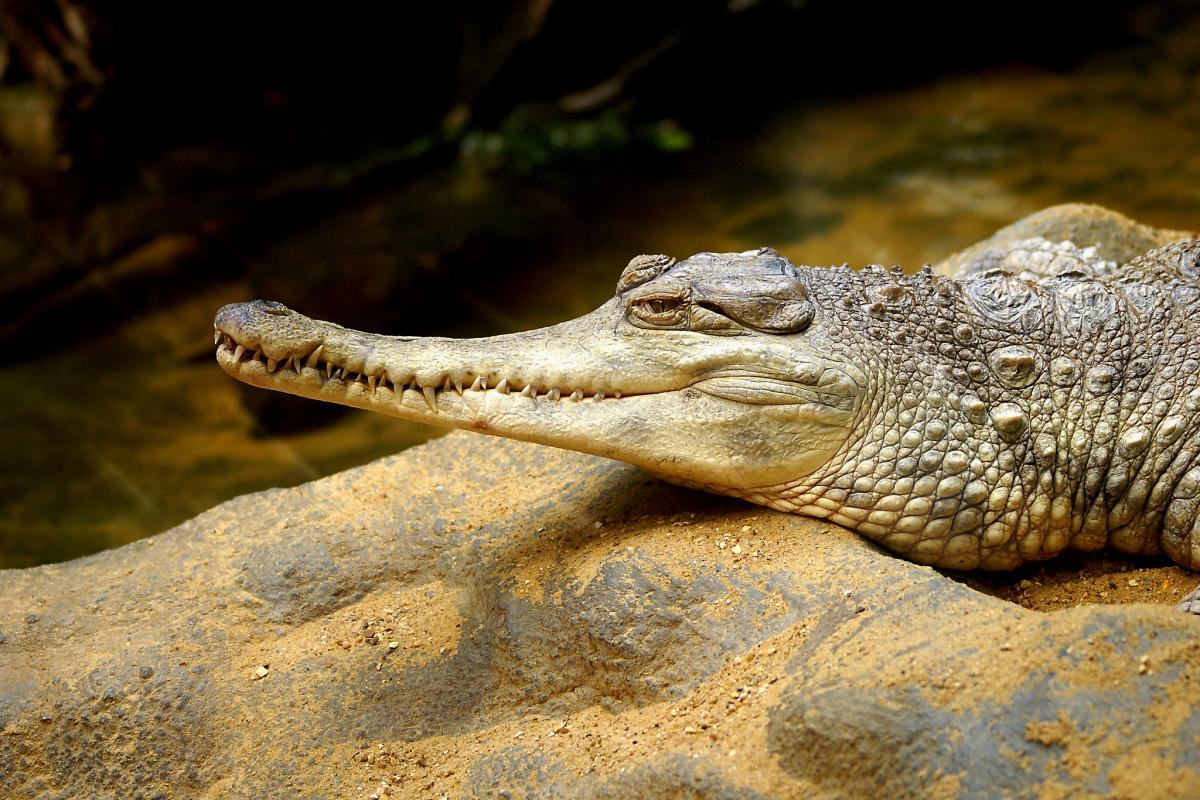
x=1043 y=397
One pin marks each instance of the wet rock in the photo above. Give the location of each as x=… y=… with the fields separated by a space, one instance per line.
x=451 y=621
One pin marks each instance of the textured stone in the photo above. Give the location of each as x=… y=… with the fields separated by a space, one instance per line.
x=565 y=627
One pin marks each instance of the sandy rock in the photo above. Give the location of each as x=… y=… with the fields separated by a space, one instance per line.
x=539 y=655
x=1115 y=237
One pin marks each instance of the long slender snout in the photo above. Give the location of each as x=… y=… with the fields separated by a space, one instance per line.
x=591 y=384
x=565 y=361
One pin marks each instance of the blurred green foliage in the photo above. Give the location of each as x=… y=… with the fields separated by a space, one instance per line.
x=538 y=136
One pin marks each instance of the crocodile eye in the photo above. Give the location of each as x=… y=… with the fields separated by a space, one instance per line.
x=659 y=311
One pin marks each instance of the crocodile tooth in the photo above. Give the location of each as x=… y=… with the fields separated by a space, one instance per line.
x=617 y=395
x=600 y=395
x=216 y=337
x=528 y=391
x=340 y=373
x=314 y=357
x=430 y=397
x=458 y=388
x=295 y=363
x=271 y=364
x=372 y=381
x=502 y=386
x=237 y=354
x=477 y=385
x=577 y=395
x=257 y=353
x=554 y=394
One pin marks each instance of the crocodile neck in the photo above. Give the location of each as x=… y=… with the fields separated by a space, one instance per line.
x=1066 y=415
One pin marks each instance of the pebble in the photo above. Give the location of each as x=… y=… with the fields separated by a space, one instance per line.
x=1134 y=582
x=261 y=671
x=737 y=549
x=393 y=645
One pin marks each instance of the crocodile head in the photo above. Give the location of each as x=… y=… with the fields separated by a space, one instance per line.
x=719 y=371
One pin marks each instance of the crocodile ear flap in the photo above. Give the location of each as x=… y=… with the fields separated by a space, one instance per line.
x=642 y=269
x=770 y=314
x=772 y=304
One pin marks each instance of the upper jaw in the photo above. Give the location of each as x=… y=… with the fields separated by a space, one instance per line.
x=268 y=345
x=591 y=357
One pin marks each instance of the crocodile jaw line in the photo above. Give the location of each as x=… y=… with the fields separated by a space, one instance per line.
x=636 y=403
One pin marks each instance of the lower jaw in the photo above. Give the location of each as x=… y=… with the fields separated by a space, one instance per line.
x=438 y=405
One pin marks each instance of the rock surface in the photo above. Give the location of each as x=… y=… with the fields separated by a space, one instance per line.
x=484 y=618
x=1115 y=237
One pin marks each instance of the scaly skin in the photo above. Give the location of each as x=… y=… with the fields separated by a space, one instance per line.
x=1044 y=399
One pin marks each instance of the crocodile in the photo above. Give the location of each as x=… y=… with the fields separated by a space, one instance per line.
x=1043 y=397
